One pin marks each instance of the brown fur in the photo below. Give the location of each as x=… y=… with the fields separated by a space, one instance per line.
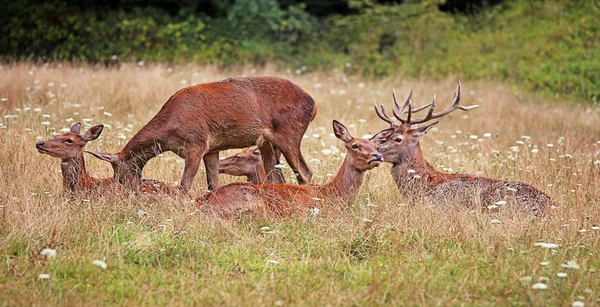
x=247 y=163
x=289 y=199
x=69 y=148
x=199 y=121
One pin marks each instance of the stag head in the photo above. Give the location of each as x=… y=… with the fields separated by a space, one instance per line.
x=400 y=142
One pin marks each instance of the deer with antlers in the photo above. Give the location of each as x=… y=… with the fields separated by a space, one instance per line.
x=289 y=199
x=68 y=147
x=415 y=177
x=199 y=121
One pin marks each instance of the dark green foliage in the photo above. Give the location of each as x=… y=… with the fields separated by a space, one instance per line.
x=549 y=46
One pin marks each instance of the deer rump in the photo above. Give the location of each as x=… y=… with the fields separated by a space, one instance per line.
x=199 y=121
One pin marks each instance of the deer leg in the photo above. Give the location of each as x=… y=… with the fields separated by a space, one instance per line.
x=193 y=156
x=294 y=158
x=268 y=156
x=278 y=171
x=211 y=163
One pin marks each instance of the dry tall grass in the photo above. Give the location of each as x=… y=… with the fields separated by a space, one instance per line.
x=381 y=251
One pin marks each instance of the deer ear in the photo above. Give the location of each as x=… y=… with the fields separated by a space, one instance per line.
x=93 y=133
x=104 y=156
x=422 y=130
x=341 y=132
x=382 y=136
x=76 y=128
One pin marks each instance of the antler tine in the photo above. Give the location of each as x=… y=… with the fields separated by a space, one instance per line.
x=400 y=118
x=455 y=105
x=421 y=108
x=383 y=115
x=406 y=103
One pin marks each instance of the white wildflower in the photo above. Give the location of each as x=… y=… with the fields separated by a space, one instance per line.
x=99 y=263
x=539 y=286
x=570 y=265
x=578 y=304
x=546 y=245
x=44 y=276
x=561 y=274
x=48 y=252
x=544 y=263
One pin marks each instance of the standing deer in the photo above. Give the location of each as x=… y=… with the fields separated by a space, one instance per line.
x=199 y=121
x=288 y=199
x=68 y=147
x=415 y=177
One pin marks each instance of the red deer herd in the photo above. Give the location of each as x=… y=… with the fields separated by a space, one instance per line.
x=272 y=114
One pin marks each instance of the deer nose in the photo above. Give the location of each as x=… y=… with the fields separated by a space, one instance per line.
x=39 y=144
x=378 y=156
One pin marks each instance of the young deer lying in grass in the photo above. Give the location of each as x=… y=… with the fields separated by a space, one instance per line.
x=416 y=177
x=69 y=148
x=247 y=163
x=289 y=199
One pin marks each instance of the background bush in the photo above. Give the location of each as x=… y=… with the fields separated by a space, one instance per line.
x=547 y=46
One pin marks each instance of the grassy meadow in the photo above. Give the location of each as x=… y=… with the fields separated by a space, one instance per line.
x=381 y=251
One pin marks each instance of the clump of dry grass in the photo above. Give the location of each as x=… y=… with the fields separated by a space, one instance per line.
x=380 y=251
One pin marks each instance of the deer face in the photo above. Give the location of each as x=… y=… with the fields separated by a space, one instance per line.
x=242 y=164
x=362 y=154
x=399 y=143
x=68 y=145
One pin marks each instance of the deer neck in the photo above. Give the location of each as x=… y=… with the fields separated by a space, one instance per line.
x=346 y=183
x=141 y=148
x=414 y=174
x=259 y=176
x=75 y=177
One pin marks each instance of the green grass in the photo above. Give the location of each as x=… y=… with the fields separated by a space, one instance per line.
x=163 y=252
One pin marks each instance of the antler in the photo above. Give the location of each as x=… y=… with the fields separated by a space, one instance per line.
x=430 y=115
x=383 y=115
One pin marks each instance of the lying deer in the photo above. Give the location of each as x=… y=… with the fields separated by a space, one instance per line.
x=414 y=176
x=199 y=121
x=288 y=199
x=246 y=163
x=68 y=147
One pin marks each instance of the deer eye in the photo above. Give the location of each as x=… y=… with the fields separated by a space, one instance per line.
x=398 y=140
x=354 y=146
x=69 y=141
